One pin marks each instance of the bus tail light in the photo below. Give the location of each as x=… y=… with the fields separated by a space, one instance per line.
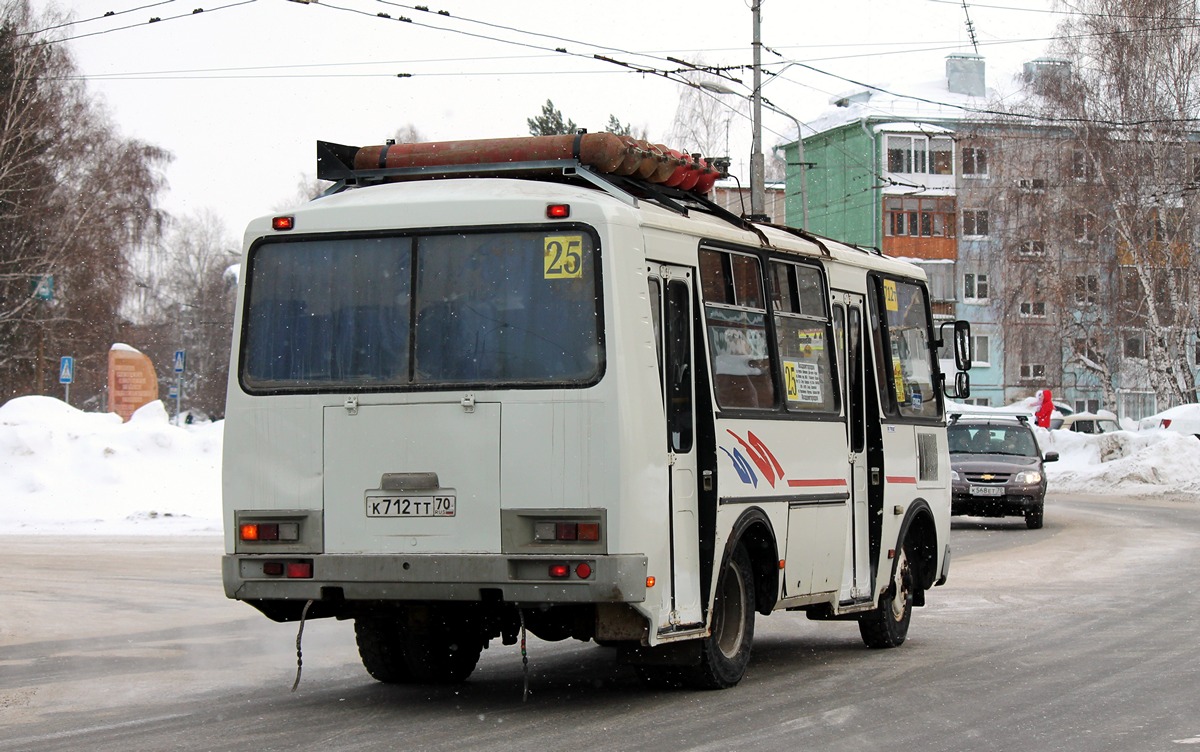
x=269 y=532
x=293 y=570
x=562 y=570
x=559 y=571
x=299 y=570
x=555 y=531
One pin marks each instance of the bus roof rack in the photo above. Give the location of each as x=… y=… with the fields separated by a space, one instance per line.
x=605 y=165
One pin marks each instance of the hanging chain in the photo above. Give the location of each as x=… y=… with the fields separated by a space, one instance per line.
x=299 y=653
x=524 y=657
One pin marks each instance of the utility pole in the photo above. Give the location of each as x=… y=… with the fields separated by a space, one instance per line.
x=757 y=163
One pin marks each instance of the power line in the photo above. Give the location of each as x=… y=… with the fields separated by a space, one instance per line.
x=108 y=14
x=153 y=20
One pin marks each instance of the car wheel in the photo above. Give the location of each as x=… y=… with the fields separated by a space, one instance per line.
x=1033 y=515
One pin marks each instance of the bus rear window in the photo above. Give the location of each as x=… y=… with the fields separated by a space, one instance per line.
x=408 y=311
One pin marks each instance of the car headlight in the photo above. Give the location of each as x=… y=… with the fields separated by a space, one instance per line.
x=1028 y=477
x=954 y=475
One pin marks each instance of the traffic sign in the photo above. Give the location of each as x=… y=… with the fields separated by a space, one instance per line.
x=173 y=392
x=66 y=370
x=180 y=357
x=43 y=287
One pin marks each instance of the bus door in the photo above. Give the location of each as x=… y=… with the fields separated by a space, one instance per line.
x=671 y=301
x=850 y=333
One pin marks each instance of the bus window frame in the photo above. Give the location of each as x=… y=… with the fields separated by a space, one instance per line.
x=415 y=233
x=777 y=411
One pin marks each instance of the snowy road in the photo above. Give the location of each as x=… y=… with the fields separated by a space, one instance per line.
x=1082 y=636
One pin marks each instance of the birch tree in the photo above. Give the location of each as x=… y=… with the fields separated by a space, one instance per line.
x=1131 y=102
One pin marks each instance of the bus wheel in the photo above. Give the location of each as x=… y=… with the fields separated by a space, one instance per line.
x=442 y=658
x=393 y=654
x=887 y=625
x=725 y=653
x=379 y=646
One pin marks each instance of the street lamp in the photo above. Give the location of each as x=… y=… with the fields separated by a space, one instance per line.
x=718 y=88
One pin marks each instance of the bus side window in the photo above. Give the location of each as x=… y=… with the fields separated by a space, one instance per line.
x=736 y=319
x=803 y=337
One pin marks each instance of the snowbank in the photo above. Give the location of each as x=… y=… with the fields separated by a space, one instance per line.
x=66 y=471
x=1123 y=463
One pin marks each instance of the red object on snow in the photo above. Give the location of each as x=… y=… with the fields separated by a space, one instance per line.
x=1044 y=410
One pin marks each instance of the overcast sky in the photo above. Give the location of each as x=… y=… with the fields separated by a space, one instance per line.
x=241 y=92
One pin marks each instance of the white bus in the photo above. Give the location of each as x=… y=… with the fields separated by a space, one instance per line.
x=543 y=393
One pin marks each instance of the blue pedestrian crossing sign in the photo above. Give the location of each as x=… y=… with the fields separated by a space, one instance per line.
x=180 y=357
x=66 y=370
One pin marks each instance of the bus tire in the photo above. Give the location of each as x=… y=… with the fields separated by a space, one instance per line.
x=381 y=651
x=1034 y=516
x=393 y=654
x=441 y=658
x=725 y=653
x=887 y=625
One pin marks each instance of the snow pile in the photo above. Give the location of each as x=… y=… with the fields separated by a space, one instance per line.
x=66 y=471
x=1128 y=463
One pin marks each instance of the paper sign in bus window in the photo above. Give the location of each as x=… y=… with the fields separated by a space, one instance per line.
x=803 y=381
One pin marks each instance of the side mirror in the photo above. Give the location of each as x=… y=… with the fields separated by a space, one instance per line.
x=962 y=342
x=962 y=386
x=1050 y=457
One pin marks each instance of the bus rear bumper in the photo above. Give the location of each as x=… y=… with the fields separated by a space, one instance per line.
x=619 y=578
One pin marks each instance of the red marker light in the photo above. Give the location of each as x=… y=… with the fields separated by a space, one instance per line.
x=273 y=568
x=583 y=570
x=559 y=571
x=283 y=223
x=558 y=211
x=300 y=570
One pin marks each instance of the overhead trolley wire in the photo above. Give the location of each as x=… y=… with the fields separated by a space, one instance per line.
x=154 y=20
x=108 y=14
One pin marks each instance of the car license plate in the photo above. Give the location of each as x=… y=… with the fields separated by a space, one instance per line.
x=987 y=490
x=411 y=506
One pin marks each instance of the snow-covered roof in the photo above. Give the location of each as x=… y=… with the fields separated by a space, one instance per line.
x=911 y=127
x=926 y=102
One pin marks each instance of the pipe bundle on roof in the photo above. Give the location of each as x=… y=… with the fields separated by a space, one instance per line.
x=603 y=152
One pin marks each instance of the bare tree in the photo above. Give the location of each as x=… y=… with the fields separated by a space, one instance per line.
x=1093 y=203
x=703 y=119
x=1131 y=101
x=199 y=291
x=75 y=197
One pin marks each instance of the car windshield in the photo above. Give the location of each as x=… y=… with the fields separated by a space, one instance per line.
x=991 y=439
